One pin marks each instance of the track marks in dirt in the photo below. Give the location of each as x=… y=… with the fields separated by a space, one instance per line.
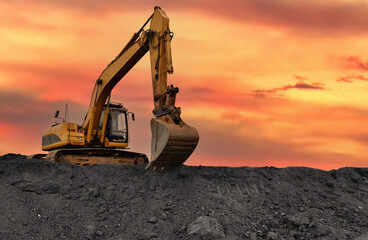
x=237 y=188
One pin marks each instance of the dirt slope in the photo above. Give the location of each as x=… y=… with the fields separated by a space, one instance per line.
x=42 y=200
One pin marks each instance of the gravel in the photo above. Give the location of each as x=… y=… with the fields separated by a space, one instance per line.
x=45 y=200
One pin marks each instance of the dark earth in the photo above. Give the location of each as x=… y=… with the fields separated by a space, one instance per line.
x=45 y=200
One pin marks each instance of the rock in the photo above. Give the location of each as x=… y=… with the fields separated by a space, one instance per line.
x=322 y=230
x=139 y=202
x=101 y=210
x=271 y=236
x=118 y=237
x=149 y=235
x=112 y=187
x=50 y=188
x=103 y=216
x=299 y=219
x=253 y=236
x=67 y=196
x=99 y=233
x=109 y=196
x=25 y=222
x=94 y=192
x=75 y=195
x=84 y=196
x=152 y=186
x=205 y=227
x=162 y=216
x=362 y=237
x=91 y=230
x=182 y=229
x=302 y=209
x=152 y=220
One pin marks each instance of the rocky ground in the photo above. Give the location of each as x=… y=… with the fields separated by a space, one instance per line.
x=43 y=200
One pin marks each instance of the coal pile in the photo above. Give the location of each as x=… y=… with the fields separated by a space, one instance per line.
x=44 y=200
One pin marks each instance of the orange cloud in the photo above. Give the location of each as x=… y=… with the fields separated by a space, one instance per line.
x=348 y=79
x=301 y=85
x=354 y=63
x=232 y=148
x=329 y=16
x=6 y=129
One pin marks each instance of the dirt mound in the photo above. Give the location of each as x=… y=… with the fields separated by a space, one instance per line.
x=43 y=200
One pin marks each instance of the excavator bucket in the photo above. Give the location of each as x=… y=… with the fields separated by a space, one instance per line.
x=171 y=143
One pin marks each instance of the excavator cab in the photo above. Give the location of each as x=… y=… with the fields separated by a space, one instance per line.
x=117 y=124
x=116 y=129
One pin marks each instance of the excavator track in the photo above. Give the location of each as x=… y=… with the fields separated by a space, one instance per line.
x=92 y=156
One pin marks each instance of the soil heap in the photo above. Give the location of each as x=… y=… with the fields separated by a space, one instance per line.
x=45 y=200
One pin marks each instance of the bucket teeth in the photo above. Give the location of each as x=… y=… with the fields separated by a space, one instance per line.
x=171 y=143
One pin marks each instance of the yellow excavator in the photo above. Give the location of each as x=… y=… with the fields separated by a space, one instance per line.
x=104 y=135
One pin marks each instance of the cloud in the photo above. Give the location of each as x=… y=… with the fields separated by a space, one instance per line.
x=19 y=22
x=349 y=78
x=20 y=109
x=307 y=15
x=361 y=138
x=251 y=144
x=301 y=85
x=301 y=78
x=24 y=117
x=354 y=63
x=65 y=82
x=53 y=82
x=249 y=149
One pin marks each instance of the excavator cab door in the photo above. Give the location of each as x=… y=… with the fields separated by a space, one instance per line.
x=117 y=126
x=114 y=123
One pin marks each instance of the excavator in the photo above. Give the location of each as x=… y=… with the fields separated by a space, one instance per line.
x=103 y=136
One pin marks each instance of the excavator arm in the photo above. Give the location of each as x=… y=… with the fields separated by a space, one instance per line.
x=114 y=72
x=173 y=141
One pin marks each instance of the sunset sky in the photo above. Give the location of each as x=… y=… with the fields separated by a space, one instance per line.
x=265 y=83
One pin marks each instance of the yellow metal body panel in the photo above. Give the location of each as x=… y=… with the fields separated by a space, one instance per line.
x=61 y=135
x=161 y=60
